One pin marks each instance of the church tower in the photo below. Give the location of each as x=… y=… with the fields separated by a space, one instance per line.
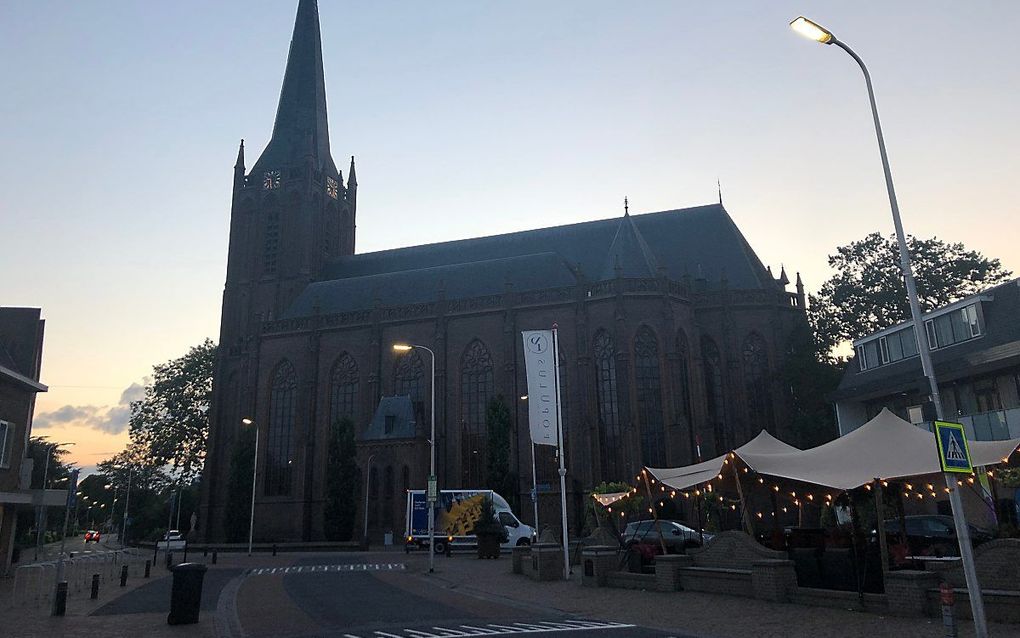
x=290 y=215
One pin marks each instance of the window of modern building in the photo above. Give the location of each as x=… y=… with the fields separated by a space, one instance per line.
x=6 y=438
x=476 y=388
x=757 y=384
x=606 y=391
x=343 y=389
x=282 y=413
x=959 y=325
x=648 y=377
x=714 y=398
x=409 y=380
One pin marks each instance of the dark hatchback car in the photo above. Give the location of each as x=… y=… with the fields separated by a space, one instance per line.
x=933 y=535
x=678 y=538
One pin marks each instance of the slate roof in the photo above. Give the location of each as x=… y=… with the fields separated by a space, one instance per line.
x=998 y=347
x=702 y=240
x=403 y=427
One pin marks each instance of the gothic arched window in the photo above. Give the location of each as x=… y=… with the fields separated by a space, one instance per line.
x=683 y=378
x=608 y=406
x=409 y=380
x=756 y=384
x=715 y=407
x=343 y=389
x=282 y=414
x=475 y=392
x=373 y=497
x=388 y=497
x=648 y=376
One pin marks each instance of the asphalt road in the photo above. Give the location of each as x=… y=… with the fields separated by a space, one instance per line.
x=350 y=596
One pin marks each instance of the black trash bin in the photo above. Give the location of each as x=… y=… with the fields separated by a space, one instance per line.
x=186 y=593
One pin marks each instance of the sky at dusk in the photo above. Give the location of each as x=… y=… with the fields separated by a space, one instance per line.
x=120 y=122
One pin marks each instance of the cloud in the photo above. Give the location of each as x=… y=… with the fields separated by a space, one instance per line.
x=109 y=419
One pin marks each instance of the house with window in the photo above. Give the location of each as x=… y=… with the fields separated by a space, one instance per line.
x=21 y=338
x=975 y=349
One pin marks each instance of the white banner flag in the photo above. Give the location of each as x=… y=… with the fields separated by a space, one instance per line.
x=540 y=365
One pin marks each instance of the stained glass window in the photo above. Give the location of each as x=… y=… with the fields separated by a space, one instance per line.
x=714 y=397
x=282 y=413
x=409 y=380
x=608 y=406
x=475 y=392
x=756 y=384
x=343 y=389
x=648 y=376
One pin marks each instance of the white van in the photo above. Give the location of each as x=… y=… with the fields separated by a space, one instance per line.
x=457 y=511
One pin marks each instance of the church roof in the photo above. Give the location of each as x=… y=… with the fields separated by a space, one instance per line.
x=701 y=240
x=393 y=419
x=629 y=255
x=301 y=127
x=456 y=281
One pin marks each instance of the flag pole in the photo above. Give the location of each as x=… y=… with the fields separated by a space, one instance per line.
x=534 y=485
x=563 y=469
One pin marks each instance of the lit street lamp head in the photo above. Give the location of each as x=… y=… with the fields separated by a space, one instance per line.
x=812 y=30
x=402 y=347
x=247 y=421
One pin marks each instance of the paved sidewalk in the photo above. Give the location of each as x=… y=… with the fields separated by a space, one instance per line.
x=709 y=615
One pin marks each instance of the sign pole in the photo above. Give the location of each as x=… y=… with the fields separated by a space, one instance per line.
x=563 y=469
x=534 y=487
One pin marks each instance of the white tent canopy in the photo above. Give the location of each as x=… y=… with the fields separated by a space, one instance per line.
x=681 y=478
x=885 y=447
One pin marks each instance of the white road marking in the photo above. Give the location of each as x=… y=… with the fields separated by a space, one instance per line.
x=346 y=567
x=494 y=629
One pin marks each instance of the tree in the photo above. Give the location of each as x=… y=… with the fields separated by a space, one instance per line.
x=343 y=482
x=867 y=292
x=497 y=460
x=171 y=424
x=809 y=377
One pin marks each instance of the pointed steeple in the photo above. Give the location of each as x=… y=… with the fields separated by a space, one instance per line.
x=629 y=254
x=783 y=279
x=239 y=167
x=302 y=108
x=352 y=180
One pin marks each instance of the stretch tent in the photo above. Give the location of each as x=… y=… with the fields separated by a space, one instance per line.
x=886 y=447
x=681 y=478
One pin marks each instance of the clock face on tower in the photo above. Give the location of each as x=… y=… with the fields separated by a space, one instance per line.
x=331 y=187
x=271 y=180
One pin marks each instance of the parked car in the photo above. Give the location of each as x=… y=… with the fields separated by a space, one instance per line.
x=174 y=539
x=677 y=538
x=933 y=534
x=92 y=536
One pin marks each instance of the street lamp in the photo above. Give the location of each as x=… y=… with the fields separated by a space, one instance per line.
x=254 y=476
x=43 y=511
x=398 y=347
x=814 y=31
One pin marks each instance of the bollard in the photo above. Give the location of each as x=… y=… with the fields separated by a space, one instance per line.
x=169 y=559
x=274 y=549
x=95 y=587
x=60 y=599
x=123 y=575
x=948 y=620
x=214 y=557
x=155 y=552
x=148 y=566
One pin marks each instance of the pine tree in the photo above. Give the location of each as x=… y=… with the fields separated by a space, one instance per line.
x=343 y=482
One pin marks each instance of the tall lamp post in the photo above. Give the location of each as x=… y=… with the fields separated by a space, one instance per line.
x=432 y=453
x=127 y=503
x=43 y=509
x=254 y=476
x=820 y=34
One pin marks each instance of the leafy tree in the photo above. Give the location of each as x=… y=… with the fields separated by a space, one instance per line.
x=238 y=513
x=809 y=377
x=343 y=482
x=497 y=462
x=171 y=424
x=867 y=292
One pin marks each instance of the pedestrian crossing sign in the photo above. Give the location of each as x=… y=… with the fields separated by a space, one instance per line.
x=954 y=455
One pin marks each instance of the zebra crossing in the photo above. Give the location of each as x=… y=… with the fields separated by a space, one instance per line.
x=311 y=569
x=496 y=629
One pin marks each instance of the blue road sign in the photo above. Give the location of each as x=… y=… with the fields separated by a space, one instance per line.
x=954 y=455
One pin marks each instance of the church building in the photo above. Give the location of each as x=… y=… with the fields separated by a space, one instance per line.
x=671 y=332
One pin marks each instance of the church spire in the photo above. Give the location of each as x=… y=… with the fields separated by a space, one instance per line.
x=302 y=109
x=352 y=180
x=239 y=167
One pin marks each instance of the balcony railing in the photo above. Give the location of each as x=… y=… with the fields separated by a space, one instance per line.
x=996 y=425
